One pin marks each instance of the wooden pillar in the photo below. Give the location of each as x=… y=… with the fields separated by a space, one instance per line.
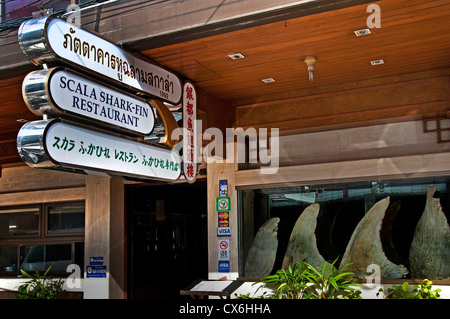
x=216 y=172
x=104 y=238
x=248 y=221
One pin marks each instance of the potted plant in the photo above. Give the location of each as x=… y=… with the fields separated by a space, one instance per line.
x=422 y=291
x=304 y=281
x=330 y=282
x=40 y=286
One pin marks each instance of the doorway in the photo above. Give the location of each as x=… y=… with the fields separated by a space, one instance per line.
x=167 y=238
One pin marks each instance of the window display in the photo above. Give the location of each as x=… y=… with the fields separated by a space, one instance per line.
x=41 y=235
x=400 y=225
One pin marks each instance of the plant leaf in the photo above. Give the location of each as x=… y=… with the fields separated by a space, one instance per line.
x=405 y=286
x=48 y=269
x=25 y=273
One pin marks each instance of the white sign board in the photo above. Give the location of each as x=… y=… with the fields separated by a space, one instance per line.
x=47 y=39
x=224 y=249
x=223 y=231
x=77 y=147
x=64 y=93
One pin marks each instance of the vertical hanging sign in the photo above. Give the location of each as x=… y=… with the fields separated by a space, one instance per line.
x=190 y=134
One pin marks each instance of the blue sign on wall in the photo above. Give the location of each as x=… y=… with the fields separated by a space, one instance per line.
x=224 y=266
x=95 y=260
x=223 y=188
x=95 y=271
x=223 y=232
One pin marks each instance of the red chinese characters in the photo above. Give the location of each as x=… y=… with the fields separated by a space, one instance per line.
x=189 y=131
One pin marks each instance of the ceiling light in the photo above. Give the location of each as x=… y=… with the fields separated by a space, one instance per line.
x=236 y=56
x=360 y=33
x=377 y=62
x=310 y=60
x=268 y=80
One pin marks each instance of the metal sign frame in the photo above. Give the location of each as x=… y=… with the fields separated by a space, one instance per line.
x=61 y=144
x=51 y=39
x=60 y=92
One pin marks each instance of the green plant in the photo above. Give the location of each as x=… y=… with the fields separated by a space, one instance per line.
x=422 y=291
x=303 y=281
x=290 y=283
x=39 y=287
x=330 y=283
x=425 y=292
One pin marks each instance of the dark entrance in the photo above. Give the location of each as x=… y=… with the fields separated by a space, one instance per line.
x=167 y=238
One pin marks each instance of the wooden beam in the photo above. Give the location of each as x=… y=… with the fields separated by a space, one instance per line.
x=359 y=170
x=43 y=196
x=105 y=236
x=24 y=178
x=401 y=101
x=216 y=172
x=8 y=151
x=208 y=18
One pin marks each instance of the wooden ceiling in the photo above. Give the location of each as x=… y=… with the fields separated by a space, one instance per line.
x=414 y=37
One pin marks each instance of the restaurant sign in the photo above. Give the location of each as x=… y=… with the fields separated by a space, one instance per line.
x=190 y=132
x=50 y=39
x=57 y=144
x=60 y=92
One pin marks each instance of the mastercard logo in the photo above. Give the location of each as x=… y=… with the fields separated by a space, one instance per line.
x=223 y=223
x=223 y=215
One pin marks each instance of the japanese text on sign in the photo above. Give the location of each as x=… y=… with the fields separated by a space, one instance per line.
x=77 y=146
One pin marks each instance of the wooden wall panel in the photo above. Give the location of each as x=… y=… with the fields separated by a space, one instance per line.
x=44 y=196
x=216 y=172
x=405 y=100
x=105 y=235
x=376 y=141
x=25 y=178
x=359 y=170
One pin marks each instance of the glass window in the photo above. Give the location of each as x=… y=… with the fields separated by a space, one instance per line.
x=65 y=219
x=8 y=258
x=40 y=236
x=23 y=221
x=338 y=210
x=44 y=256
x=79 y=255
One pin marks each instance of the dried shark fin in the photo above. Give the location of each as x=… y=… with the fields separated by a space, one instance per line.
x=262 y=253
x=302 y=243
x=386 y=231
x=429 y=255
x=365 y=247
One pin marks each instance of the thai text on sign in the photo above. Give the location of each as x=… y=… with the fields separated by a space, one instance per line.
x=51 y=39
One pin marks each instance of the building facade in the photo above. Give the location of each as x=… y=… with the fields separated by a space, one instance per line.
x=328 y=108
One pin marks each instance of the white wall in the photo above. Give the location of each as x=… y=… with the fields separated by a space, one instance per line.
x=368 y=291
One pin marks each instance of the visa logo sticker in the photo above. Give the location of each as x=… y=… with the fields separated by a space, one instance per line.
x=223 y=232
